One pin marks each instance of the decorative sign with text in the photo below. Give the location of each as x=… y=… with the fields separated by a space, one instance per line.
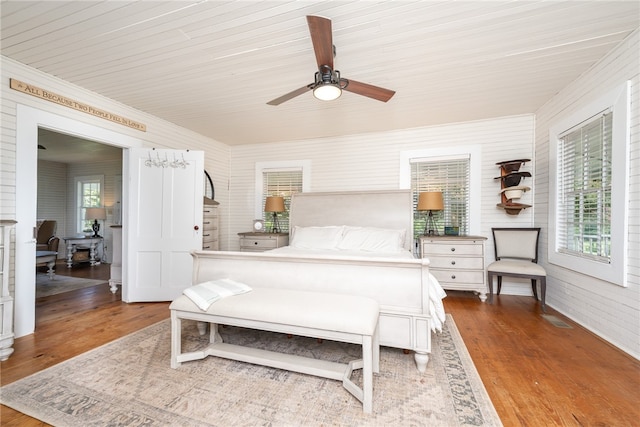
x=63 y=100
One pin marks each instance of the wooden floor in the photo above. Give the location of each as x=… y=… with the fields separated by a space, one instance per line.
x=536 y=374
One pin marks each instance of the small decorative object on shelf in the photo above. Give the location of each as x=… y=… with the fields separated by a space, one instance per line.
x=510 y=177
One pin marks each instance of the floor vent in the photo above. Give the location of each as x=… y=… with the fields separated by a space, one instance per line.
x=556 y=322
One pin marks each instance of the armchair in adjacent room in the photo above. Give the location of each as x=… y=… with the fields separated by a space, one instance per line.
x=46 y=231
x=516 y=251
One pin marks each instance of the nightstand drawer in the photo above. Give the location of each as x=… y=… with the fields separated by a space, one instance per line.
x=210 y=246
x=453 y=263
x=261 y=243
x=458 y=276
x=209 y=236
x=209 y=211
x=442 y=248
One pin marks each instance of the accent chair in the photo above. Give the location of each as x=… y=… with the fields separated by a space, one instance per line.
x=516 y=253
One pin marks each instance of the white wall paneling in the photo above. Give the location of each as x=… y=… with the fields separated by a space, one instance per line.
x=159 y=134
x=610 y=311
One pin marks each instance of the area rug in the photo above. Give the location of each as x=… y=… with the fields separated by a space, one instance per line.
x=46 y=287
x=129 y=383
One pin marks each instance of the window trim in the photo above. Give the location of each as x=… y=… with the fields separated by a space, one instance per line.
x=78 y=180
x=473 y=152
x=615 y=272
x=278 y=166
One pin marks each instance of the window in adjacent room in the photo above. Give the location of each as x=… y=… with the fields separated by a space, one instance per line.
x=88 y=195
x=588 y=170
x=281 y=179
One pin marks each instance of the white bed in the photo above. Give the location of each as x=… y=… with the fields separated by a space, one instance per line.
x=328 y=232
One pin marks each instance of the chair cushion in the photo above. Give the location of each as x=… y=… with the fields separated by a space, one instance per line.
x=508 y=266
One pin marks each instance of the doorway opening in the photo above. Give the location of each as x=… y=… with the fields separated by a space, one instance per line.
x=64 y=164
x=29 y=121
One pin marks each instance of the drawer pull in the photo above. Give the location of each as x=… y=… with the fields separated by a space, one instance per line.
x=453 y=276
x=255 y=243
x=206 y=235
x=453 y=249
x=453 y=263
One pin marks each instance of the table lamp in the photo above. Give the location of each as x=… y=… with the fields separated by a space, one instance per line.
x=274 y=204
x=430 y=201
x=96 y=214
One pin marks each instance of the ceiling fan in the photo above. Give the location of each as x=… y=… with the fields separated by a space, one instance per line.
x=328 y=85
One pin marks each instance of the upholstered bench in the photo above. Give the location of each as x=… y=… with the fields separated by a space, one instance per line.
x=344 y=318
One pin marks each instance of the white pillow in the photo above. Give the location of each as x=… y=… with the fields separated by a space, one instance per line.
x=316 y=237
x=372 y=239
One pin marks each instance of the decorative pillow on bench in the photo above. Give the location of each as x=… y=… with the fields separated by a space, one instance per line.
x=206 y=293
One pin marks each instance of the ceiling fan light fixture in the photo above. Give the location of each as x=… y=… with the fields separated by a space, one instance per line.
x=327 y=91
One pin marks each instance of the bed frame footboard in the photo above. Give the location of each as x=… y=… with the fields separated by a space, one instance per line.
x=401 y=287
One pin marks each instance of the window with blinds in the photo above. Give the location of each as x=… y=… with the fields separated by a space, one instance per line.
x=281 y=183
x=88 y=195
x=451 y=177
x=584 y=189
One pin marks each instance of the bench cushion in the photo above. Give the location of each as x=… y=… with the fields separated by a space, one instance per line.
x=332 y=312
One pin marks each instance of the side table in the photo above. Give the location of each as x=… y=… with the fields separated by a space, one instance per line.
x=92 y=242
x=260 y=242
x=457 y=262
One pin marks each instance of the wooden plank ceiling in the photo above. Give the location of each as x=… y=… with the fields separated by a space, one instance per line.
x=211 y=66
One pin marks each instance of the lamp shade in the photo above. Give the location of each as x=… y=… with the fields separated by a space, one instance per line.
x=430 y=201
x=274 y=204
x=96 y=213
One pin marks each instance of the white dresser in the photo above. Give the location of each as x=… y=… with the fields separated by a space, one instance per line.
x=210 y=224
x=260 y=242
x=6 y=300
x=457 y=262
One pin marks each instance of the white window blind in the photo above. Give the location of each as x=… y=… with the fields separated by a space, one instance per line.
x=584 y=183
x=281 y=183
x=451 y=177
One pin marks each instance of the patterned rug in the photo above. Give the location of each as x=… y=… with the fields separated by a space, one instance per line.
x=46 y=287
x=129 y=383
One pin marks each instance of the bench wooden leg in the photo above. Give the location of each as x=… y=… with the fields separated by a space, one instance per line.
x=176 y=339
x=376 y=350
x=367 y=374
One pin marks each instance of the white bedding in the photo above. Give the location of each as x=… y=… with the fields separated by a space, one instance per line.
x=436 y=293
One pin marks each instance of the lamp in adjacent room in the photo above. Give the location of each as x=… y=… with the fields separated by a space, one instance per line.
x=96 y=214
x=274 y=204
x=430 y=201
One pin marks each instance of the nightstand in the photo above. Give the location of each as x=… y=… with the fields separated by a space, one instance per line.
x=457 y=262
x=260 y=242
x=210 y=240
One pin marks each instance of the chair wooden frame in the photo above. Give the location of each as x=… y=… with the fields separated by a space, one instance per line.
x=494 y=269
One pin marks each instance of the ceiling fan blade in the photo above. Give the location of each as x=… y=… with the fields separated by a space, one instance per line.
x=364 y=89
x=290 y=95
x=320 y=29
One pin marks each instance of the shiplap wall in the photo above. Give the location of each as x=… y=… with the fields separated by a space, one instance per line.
x=372 y=161
x=160 y=134
x=52 y=197
x=608 y=310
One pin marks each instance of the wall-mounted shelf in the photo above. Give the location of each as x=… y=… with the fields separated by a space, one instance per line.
x=511 y=190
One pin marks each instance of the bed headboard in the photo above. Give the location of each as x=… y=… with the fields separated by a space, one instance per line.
x=381 y=208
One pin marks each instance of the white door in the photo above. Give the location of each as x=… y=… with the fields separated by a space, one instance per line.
x=165 y=222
